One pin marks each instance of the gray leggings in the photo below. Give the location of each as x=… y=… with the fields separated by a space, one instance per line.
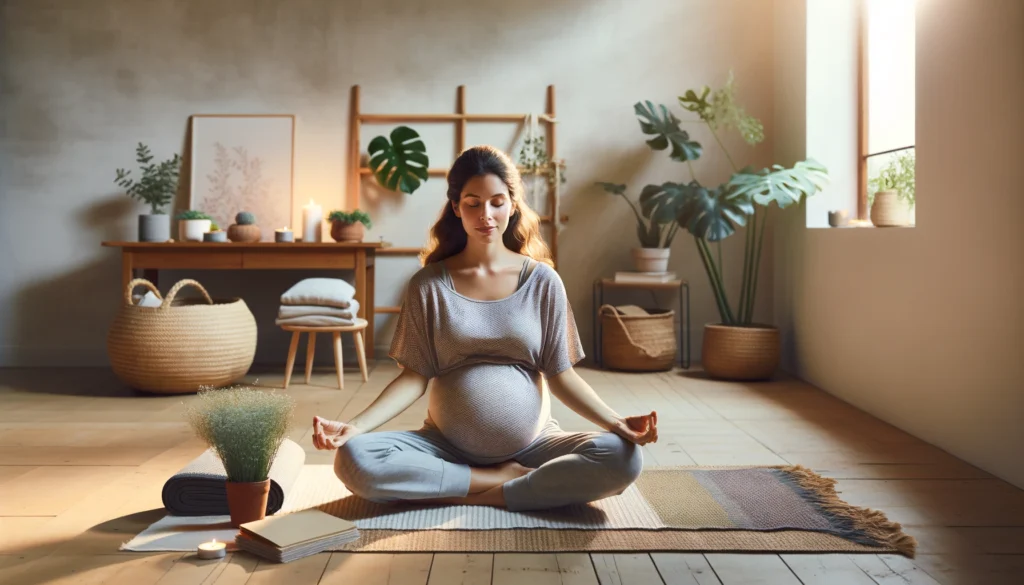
x=570 y=468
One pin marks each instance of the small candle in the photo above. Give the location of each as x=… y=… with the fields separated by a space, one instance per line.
x=283 y=235
x=312 y=220
x=212 y=550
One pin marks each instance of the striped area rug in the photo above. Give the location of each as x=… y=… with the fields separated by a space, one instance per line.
x=776 y=509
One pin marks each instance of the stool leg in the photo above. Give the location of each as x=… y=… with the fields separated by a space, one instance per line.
x=337 y=358
x=291 y=358
x=310 y=349
x=361 y=353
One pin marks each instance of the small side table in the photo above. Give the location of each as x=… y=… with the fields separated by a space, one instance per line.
x=335 y=330
x=681 y=286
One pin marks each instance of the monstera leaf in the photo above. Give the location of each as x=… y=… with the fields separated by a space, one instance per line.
x=662 y=203
x=713 y=214
x=399 y=165
x=667 y=131
x=779 y=184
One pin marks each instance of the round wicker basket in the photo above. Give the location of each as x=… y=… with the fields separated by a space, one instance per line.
x=741 y=353
x=184 y=343
x=888 y=211
x=638 y=343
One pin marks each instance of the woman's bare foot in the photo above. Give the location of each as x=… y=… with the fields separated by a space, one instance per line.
x=486 y=478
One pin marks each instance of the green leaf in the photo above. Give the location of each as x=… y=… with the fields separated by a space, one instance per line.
x=662 y=203
x=713 y=214
x=399 y=165
x=667 y=131
x=613 y=188
x=779 y=184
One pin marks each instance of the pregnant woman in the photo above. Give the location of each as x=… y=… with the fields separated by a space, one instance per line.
x=486 y=323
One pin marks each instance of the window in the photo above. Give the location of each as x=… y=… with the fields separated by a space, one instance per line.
x=886 y=100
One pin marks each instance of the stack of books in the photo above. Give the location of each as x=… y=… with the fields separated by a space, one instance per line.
x=640 y=277
x=288 y=537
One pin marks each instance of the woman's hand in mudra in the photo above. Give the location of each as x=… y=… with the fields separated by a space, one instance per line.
x=640 y=429
x=331 y=434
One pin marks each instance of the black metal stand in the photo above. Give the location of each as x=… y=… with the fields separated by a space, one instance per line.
x=683 y=319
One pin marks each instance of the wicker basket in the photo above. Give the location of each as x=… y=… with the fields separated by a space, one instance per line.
x=740 y=353
x=643 y=342
x=888 y=210
x=182 y=344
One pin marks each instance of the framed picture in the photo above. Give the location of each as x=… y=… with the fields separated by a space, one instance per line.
x=243 y=163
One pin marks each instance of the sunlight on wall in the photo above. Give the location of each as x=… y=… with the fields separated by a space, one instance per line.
x=891 y=66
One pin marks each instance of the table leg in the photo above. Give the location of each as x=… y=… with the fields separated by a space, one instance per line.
x=360 y=274
x=310 y=351
x=291 y=358
x=371 y=301
x=338 y=360
x=686 y=292
x=127 y=271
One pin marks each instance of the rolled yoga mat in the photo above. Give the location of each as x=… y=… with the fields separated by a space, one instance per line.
x=199 y=488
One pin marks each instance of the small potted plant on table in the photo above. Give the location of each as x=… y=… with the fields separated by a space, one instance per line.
x=349 y=226
x=155 y=187
x=891 y=193
x=192 y=225
x=245 y=428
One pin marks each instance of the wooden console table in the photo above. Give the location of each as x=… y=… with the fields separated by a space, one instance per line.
x=151 y=257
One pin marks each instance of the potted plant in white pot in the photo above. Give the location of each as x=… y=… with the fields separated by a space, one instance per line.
x=192 y=224
x=654 y=230
x=245 y=428
x=891 y=193
x=156 y=188
x=736 y=347
x=349 y=226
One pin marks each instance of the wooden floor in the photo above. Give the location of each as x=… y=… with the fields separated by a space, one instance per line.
x=82 y=461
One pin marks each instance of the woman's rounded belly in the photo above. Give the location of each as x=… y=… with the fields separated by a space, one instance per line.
x=488 y=410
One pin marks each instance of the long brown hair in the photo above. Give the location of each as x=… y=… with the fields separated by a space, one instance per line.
x=448 y=236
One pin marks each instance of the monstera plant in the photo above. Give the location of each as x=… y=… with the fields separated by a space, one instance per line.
x=401 y=164
x=736 y=347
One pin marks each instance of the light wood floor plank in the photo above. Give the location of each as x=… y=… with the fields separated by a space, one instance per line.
x=461 y=569
x=741 y=569
x=826 y=570
x=626 y=569
x=684 y=569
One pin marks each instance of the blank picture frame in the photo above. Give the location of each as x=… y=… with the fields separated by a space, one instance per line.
x=244 y=162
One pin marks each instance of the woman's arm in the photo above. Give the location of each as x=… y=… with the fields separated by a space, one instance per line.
x=399 y=395
x=396 y=397
x=574 y=391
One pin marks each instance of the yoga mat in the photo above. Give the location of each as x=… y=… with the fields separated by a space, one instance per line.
x=199 y=488
x=778 y=509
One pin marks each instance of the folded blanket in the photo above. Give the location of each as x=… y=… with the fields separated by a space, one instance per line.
x=287 y=311
x=199 y=488
x=315 y=321
x=328 y=292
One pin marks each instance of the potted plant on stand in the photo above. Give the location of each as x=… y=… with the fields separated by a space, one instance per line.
x=736 y=347
x=654 y=228
x=156 y=188
x=245 y=428
x=891 y=193
x=349 y=226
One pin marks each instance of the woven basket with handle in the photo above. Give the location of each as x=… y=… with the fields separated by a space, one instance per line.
x=637 y=340
x=182 y=344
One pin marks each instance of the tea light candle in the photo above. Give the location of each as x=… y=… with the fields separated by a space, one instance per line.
x=312 y=220
x=283 y=235
x=212 y=550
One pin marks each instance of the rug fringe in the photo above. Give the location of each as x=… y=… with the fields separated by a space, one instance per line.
x=862 y=525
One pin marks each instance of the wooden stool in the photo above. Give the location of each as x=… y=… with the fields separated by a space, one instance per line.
x=357 y=332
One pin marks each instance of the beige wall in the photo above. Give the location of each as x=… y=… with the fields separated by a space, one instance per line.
x=922 y=327
x=82 y=82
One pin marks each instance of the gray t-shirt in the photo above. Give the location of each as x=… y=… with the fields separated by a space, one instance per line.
x=487 y=359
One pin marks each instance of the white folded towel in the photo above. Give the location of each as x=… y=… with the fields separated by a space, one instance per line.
x=328 y=292
x=314 y=321
x=287 y=311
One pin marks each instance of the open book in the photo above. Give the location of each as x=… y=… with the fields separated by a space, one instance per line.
x=287 y=537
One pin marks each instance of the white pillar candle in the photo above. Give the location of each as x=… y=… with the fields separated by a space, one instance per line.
x=211 y=550
x=312 y=220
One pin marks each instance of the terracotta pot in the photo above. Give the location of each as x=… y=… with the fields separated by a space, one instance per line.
x=247 y=501
x=244 y=233
x=741 y=353
x=651 y=259
x=347 y=232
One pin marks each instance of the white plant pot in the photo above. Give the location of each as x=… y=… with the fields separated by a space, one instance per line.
x=192 y=230
x=888 y=210
x=651 y=259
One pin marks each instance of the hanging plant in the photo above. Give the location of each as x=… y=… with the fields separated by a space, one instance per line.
x=401 y=164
